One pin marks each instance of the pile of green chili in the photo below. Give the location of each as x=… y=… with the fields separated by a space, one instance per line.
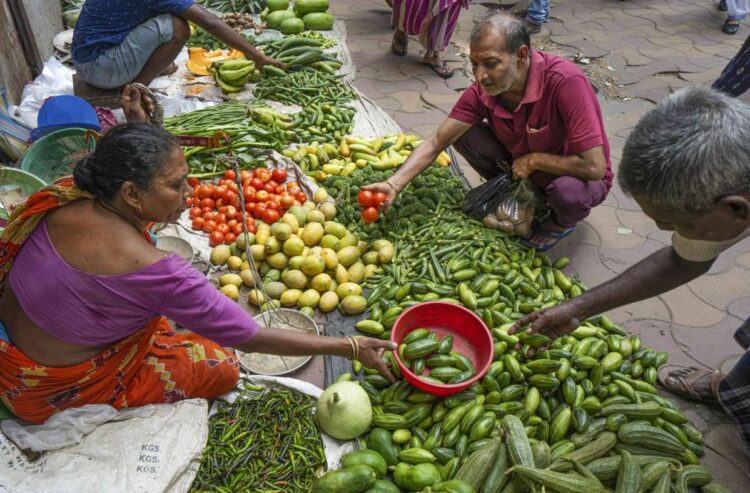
x=266 y=440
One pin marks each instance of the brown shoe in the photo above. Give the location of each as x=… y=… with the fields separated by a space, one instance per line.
x=532 y=28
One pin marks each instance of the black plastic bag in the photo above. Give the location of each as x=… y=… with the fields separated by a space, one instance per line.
x=505 y=204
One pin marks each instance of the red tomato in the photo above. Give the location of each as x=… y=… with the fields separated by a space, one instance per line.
x=293 y=189
x=252 y=229
x=245 y=175
x=209 y=226
x=232 y=187
x=301 y=197
x=270 y=216
x=222 y=209
x=206 y=210
x=264 y=175
x=209 y=216
x=278 y=175
x=237 y=229
x=231 y=212
x=250 y=207
x=279 y=190
x=230 y=174
x=229 y=197
x=273 y=184
x=287 y=201
x=262 y=196
x=189 y=201
x=269 y=188
x=221 y=218
x=204 y=191
x=364 y=199
x=208 y=203
x=198 y=223
x=249 y=194
x=256 y=172
x=220 y=203
x=273 y=205
x=195 y=212
x=378 y=198
x=369 y=215
x=216 y=238
x=230 y=238
x=232 y=223
x=223 y=228
x=193 y=181
x=259 y=209
x=256 y=183
x=219 y=192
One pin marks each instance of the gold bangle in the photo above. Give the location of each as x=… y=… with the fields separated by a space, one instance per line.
x=356 y=345
x=354 y=351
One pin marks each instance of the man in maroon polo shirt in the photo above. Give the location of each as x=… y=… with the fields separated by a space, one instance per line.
x=530 y=112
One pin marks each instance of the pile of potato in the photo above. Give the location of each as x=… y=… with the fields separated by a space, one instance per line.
x=306 y=260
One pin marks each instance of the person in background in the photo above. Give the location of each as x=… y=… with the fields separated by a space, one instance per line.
x=735 y=78
x=85 y=295
x=736 y=12
x=687 y=164
x=536 y=15
x=530 y=112
x=116 y=43
x=433 y=21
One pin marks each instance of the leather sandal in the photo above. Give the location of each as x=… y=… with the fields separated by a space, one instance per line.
x=722 y=6
x=728 y=28
x=680 y=380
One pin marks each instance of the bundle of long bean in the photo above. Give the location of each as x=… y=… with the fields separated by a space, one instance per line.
x=266 y=440
x=303 y=88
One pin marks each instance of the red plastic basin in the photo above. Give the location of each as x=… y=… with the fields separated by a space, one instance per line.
x=470 y=338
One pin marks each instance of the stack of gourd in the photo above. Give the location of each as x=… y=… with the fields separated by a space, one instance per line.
x=306 y=14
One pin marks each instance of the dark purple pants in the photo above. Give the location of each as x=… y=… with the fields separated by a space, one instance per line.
x=570 y=198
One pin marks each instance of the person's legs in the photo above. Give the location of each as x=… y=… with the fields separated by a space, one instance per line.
x=734 y=396
x=438 y=36
x=484 y=152
x=165 y=54
x=182 y=366
x=735 y=78
x=571 y=200
x=124 y=63
x=736 y=10
x=536 y=15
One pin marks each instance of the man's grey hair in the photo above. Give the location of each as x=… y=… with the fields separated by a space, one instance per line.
x=689 y=152
x=511 y=28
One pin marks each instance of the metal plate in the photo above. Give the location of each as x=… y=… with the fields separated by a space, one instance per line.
x=270 y=364
x=176 y=245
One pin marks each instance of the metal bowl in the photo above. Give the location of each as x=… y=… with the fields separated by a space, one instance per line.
x=176 y=245
x=270 y=364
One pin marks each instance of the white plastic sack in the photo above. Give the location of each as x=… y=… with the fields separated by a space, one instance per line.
x=145 y=449
x=56 y=79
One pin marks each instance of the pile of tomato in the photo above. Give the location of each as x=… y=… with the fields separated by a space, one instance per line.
x=369 y=202
x=214 y=208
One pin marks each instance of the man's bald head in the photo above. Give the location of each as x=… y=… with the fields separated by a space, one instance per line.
x=510 y=29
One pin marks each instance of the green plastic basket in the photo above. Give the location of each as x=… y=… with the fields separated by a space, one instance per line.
x=55 y=154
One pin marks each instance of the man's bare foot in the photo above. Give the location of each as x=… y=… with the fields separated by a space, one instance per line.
x=171 y=68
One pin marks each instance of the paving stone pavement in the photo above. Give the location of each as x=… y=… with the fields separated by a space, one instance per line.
x=645 y=49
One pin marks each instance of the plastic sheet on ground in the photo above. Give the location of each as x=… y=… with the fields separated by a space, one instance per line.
x=143 y=449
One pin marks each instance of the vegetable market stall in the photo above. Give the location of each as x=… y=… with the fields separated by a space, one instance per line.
x=583 y=415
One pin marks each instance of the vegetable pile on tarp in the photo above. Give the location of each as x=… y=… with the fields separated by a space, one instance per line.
x=265 y=440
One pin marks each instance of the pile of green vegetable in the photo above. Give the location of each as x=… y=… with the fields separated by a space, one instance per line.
x=249 y=127
x=323 y=123
x=299 y=51
x=266 y=440
x=303 y=88
x=435 y=195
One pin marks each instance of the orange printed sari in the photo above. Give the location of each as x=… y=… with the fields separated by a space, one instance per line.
x=154 y=365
